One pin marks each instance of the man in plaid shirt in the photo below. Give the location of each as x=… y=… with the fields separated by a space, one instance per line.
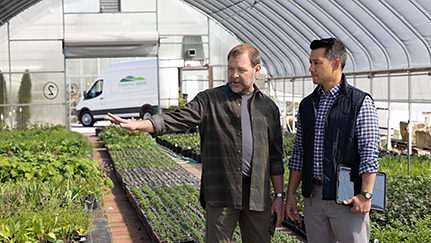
x=337 y=124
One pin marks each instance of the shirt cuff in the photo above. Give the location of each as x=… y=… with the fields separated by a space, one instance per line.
x=158 y=124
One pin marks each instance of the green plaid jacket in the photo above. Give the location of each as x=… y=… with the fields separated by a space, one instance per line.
x=217 y=113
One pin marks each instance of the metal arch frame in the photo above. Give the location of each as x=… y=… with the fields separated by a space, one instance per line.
x=217 y=17
x=421 y=9
x=240 y=11
x=270 y=22
x=267 y=41
x=296 y=44
x=262 y=46
x=262 y=43
x=387 y=29
x=365 y=30
x=395 y=37
x=323 y=28
x=421 y=38
x=12 y=8
x=342 y=28
x=408 y=25
x=187 y=2
x=287 y=36
x=300 y=33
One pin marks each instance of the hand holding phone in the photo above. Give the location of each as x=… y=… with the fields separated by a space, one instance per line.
x=272 y=225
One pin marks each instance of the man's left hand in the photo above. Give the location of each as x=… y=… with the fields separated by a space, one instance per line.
x=277 y=206
x=360 y=204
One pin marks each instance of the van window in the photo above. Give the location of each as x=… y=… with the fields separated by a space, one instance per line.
x=96 y=90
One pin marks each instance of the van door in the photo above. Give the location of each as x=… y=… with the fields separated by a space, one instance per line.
x=96 y=95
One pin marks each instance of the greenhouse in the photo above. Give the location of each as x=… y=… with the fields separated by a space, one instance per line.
x=53 y=53
x=389 y=53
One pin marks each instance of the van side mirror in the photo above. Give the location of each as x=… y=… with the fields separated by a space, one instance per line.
x=85 y=95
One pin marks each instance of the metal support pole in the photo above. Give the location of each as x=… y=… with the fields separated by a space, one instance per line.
x=389 y=143
x=409 y=134
x=10 y=77
x=284 y=111
x=158 y=65
x=2 y=126
x=293 y=105
x=410 y=120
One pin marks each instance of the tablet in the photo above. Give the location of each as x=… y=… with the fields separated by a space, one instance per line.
x=345 y=188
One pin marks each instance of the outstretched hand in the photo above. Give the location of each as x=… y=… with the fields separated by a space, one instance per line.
x=130 y=125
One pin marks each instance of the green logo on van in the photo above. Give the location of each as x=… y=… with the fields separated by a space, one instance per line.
x=131 y=78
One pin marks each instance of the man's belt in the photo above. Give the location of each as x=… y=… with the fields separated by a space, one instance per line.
x=316 y=181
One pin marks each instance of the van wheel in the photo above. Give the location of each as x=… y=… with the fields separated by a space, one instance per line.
x=146 y=114
x=86 y=119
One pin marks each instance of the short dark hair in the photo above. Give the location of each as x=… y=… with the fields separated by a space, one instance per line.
x=252 y=52
x=333 y=49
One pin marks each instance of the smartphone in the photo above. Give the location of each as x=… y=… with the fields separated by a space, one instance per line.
x=272 y=225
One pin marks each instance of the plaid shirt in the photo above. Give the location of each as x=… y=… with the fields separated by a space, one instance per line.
x=217 y=112
x=366 y=129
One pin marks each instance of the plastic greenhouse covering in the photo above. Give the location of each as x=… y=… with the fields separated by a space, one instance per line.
x=388 y=43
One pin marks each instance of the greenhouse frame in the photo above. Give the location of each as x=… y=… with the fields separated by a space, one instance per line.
x=388 y=43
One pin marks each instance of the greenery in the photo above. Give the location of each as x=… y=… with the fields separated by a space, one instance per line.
x=47 y=180
x=184 y=140
x=406 y=218
x=24 y=97
x=288 y=142
x=44 y=138
x=32 y=211
x=167 y=194
x=398 y=165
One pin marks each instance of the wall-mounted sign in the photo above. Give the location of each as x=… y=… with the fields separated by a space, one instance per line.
x=50 y=90
x=73 y=89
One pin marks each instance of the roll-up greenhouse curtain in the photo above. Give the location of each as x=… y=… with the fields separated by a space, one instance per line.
x=110 y=44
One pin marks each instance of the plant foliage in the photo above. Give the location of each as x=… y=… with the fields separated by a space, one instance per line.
x=47 y=181
x=406 y=218
x=167 y=194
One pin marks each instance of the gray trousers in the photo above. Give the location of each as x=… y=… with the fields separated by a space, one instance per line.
x=326 y=221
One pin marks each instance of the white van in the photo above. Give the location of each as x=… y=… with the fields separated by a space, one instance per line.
x=126 y=89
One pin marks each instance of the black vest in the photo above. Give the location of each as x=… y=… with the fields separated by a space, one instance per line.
x=340 y=144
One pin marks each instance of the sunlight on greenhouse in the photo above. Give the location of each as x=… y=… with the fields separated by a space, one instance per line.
x=66 y=64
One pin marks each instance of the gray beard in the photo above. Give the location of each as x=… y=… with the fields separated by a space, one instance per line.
x=239 y=91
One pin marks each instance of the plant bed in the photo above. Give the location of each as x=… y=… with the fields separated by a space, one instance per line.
x=186 y=144
x=49 y=184
x=164 y=193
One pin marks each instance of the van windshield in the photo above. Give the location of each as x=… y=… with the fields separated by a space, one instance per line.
x=96 y=90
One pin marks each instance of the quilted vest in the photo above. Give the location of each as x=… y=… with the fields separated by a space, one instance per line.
x=340 y=144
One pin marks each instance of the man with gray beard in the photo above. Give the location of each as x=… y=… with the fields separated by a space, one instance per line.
x=241 y=150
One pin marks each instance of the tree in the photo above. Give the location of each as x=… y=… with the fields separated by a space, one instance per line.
x=24 y=97
x=3 y=95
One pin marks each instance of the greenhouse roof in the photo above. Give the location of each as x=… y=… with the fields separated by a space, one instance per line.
x=379 y=35
x=11 y=8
